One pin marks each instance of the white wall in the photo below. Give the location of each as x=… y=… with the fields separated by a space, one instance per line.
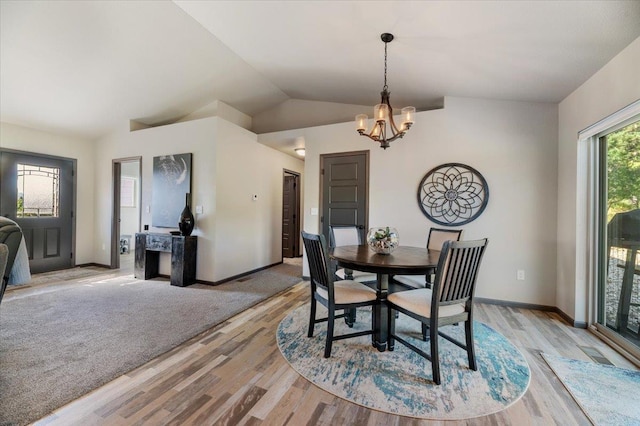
x=616 y=85
x=197 y=137
x=222 y=110
x=513 y=144
x=25 y=139
x=235 y=235
x=298 y=113
x=248 y=233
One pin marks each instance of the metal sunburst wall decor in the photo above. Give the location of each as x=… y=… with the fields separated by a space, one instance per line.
x=453 y=194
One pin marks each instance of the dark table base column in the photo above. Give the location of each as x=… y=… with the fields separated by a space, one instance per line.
x=146 y=262
x=183 y=261
x=380 y=314
x=183 y=251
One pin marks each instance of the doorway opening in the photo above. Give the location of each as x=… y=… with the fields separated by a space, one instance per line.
x=127 y=212
x=291 y=246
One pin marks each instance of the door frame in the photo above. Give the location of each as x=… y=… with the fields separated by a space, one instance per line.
x=298 y=221
x=74 y=205
x=116 y=173
x=589 y=236
x=321 y=179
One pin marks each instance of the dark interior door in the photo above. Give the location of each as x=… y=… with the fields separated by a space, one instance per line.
x=116 y=217
x=290 y=221
x=37 y=193
x=345 y=190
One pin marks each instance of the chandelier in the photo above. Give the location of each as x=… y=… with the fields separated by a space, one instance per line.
x=384 y=129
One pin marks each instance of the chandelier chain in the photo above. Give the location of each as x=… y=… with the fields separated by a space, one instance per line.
x=385 y=87
x=384 y=128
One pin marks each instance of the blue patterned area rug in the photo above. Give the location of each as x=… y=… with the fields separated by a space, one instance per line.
x=608 y=395
x=400 y=382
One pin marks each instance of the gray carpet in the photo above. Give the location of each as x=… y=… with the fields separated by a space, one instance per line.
x=61 y=341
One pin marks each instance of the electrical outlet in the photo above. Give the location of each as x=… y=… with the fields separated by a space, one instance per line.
x=520 y=275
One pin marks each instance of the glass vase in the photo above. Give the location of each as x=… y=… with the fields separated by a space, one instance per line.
x=383 y=239
x=187 y=221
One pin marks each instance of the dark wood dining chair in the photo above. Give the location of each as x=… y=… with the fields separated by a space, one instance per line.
x=435 y=240
x=334 y=295
x=348 y=235
x=449 y=301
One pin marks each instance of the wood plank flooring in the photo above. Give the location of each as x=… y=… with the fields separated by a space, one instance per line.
x=234 y=374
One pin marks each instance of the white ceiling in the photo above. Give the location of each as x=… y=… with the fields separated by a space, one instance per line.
x=87 y=67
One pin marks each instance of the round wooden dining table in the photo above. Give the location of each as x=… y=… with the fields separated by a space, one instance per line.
x=404 y=260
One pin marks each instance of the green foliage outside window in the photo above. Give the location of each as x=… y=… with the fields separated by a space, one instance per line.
x=20 y=209
x=623 y=169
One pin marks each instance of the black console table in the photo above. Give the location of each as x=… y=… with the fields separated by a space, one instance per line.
x=183 y=256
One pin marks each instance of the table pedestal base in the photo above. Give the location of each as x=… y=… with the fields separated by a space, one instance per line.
x=380 y=315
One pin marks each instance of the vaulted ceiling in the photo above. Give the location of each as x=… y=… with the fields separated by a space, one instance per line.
x=86 y=67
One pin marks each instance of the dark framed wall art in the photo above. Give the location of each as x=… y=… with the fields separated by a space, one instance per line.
x=453 y=194
x=171 y=181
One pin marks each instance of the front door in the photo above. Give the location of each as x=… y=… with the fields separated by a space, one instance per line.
x=290 y=214
x=37 y=193
x=345 y=190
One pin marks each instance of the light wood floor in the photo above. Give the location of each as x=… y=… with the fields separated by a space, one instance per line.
x=235 y=374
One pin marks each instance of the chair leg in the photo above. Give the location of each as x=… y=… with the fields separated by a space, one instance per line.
x=330 y=323
x=350 y=318
x=424 y=332
x=471 y=353
x=391 y=329
x=435 y=360
x=312 y=317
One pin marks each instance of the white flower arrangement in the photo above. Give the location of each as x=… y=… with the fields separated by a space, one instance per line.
x=383 y=240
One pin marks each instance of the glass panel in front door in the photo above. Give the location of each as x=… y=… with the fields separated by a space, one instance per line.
x=38 y=191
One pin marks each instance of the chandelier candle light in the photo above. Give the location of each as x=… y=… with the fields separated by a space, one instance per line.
x=383 y=113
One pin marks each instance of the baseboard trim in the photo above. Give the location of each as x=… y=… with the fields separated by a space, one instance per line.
x=235 y=277
x=571 y=321
x=546 y=308
x=511 y=304
x=98 y=265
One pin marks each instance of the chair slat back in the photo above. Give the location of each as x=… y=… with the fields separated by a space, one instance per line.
x=316 y=249
x=458 y=271
x=344 y=236
x=438 y=236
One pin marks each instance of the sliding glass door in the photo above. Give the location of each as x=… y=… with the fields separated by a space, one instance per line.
x=618 y=295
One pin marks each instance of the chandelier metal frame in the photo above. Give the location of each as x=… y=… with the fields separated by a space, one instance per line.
x=383 y=112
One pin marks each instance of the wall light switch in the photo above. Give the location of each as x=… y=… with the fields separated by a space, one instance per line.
x=520 y=275
x=314 y=211
x=148 y=209
x=199 y=210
